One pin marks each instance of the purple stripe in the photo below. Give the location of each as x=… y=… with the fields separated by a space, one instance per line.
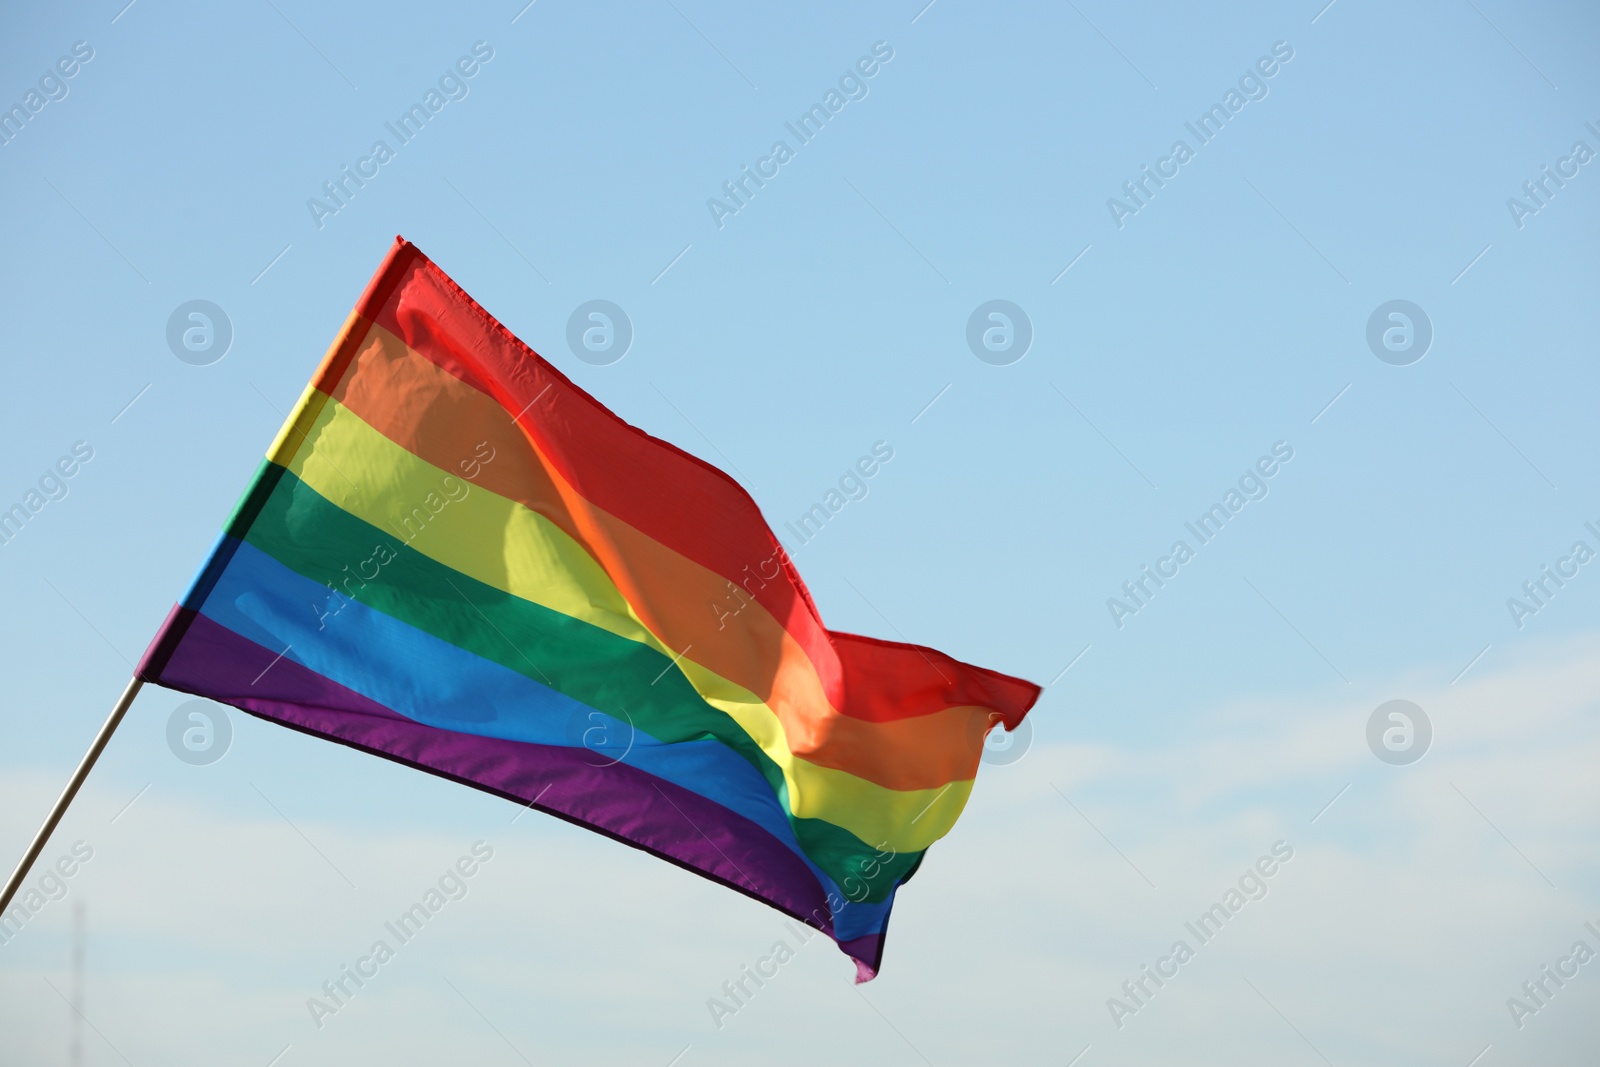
x=161 y=645
x=867 y=952
x=618 y=800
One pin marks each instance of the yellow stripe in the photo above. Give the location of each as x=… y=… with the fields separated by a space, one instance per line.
x=503 y=544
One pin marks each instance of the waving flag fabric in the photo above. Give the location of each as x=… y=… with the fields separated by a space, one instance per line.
x=455 y=558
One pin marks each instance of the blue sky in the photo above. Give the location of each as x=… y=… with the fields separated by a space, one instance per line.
x=1172 y=347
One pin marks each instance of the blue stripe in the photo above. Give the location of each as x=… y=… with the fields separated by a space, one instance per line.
x=433 y=682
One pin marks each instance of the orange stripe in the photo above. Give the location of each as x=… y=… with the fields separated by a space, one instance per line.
x=444 y=421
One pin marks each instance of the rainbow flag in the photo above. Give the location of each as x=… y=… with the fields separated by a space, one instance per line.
x=454 y=558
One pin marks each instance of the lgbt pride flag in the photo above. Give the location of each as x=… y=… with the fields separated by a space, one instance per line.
x=455 y=558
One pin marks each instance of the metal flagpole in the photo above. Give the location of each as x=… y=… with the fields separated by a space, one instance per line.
x=78 y=776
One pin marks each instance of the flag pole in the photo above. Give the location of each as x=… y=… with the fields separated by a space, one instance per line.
x=43 y=836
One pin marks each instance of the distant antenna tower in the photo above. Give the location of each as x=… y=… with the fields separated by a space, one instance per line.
x=79 y=935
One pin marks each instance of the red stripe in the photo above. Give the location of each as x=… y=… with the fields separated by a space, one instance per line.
x=675 y=498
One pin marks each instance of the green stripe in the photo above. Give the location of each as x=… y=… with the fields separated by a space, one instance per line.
x=309 y=534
